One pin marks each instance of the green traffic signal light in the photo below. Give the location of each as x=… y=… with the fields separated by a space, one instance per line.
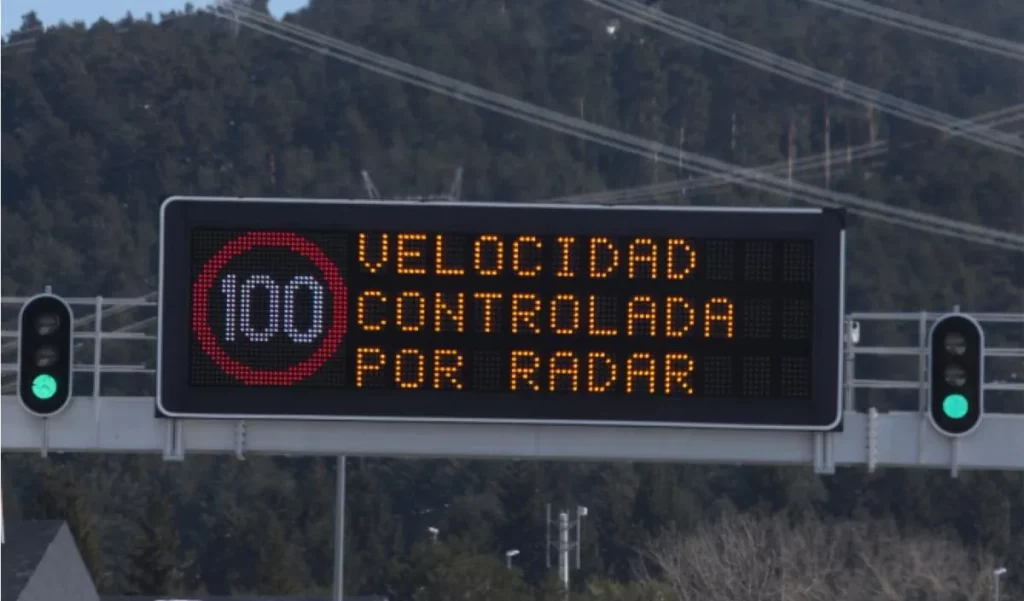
x=956 y=374
x=954 y=406
x=45 y=355
x=44 y=386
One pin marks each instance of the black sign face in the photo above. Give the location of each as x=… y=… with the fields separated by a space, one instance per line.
x=500 y=313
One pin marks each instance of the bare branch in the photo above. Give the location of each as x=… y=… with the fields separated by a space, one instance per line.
x=750 y=558
x=891 y=566
x=776 y=559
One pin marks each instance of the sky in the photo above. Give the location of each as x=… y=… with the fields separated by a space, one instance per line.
x=51 y=12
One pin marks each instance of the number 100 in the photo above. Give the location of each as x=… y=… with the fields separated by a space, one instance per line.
x=280 y=308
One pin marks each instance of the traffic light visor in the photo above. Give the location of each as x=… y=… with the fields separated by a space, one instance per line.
x=956 y=374
x=47 y=323
x=47 y=356
x=955 y=343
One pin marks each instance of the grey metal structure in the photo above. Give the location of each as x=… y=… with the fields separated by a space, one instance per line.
x=107 y=422
x=100 y=421
x=171 y=239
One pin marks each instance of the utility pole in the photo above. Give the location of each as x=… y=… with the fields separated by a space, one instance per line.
x=338 y=591
x=371 y=190
x=564 y=543
x=828 y=146
x=563 y=550
x=732 y=134
x=791 y=150
x=454 y=190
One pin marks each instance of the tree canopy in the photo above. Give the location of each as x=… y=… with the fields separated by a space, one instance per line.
x=100 y=123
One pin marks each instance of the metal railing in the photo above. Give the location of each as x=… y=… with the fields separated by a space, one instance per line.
x=115 y=353
x=902 y=367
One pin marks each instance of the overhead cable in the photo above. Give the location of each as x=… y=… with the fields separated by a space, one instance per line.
x=644 y=193
x=675 y=187
x=826 y=82
x=555 y=121
x=927 y=27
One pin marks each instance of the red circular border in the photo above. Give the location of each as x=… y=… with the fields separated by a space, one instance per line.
x=200 y=308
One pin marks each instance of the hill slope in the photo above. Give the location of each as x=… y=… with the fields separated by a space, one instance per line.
x=100 y=123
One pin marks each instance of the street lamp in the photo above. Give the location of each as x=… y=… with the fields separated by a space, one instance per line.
x=996 y=574
x=433 y=533
x=581 y=512
x=508 y=557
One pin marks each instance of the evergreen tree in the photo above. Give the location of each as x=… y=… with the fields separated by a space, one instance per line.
x=156 y=557
x=100 y=123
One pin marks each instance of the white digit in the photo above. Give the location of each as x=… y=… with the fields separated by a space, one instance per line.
x=227 y=286
x=240 y=310
x=273 y=308
x=316 y=325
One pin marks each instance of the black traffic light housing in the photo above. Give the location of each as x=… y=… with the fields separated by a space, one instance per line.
x=956 y=392
x=45 y=347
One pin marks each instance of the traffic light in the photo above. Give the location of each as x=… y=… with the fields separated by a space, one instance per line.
x=44 y=355
x=957 y=374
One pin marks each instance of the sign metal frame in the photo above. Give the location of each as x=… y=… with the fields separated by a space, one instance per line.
x=168 y=403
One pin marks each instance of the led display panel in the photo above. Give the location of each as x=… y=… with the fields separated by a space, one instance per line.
x=500 y=313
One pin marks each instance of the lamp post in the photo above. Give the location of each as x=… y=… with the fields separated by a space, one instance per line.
x=996 y=574
x=581 y=512
x=433 y=533
x=508 y=557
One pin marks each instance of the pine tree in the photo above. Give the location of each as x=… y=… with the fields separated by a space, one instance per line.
x=158 y=563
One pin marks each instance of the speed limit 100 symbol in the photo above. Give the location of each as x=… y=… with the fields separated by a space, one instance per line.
x=280 y=313
x=278 y=309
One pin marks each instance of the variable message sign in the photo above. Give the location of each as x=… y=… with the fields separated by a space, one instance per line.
x=670 y=316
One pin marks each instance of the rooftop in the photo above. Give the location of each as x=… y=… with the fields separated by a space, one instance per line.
x=25 y=544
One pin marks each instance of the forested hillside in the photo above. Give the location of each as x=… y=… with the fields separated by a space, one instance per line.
x=101 y=123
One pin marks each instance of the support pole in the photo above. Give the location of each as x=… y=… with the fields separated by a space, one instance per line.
x=579 y=536
x=547 y=535
x=338 y=592
x=563 y=551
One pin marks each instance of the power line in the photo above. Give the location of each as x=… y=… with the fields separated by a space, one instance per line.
x=26 y=45
x=921 y=221
x=615 y=139
x=927 y=27
x=555 y=121
x=995 y=118
x=641 y=194
x=826 y=82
